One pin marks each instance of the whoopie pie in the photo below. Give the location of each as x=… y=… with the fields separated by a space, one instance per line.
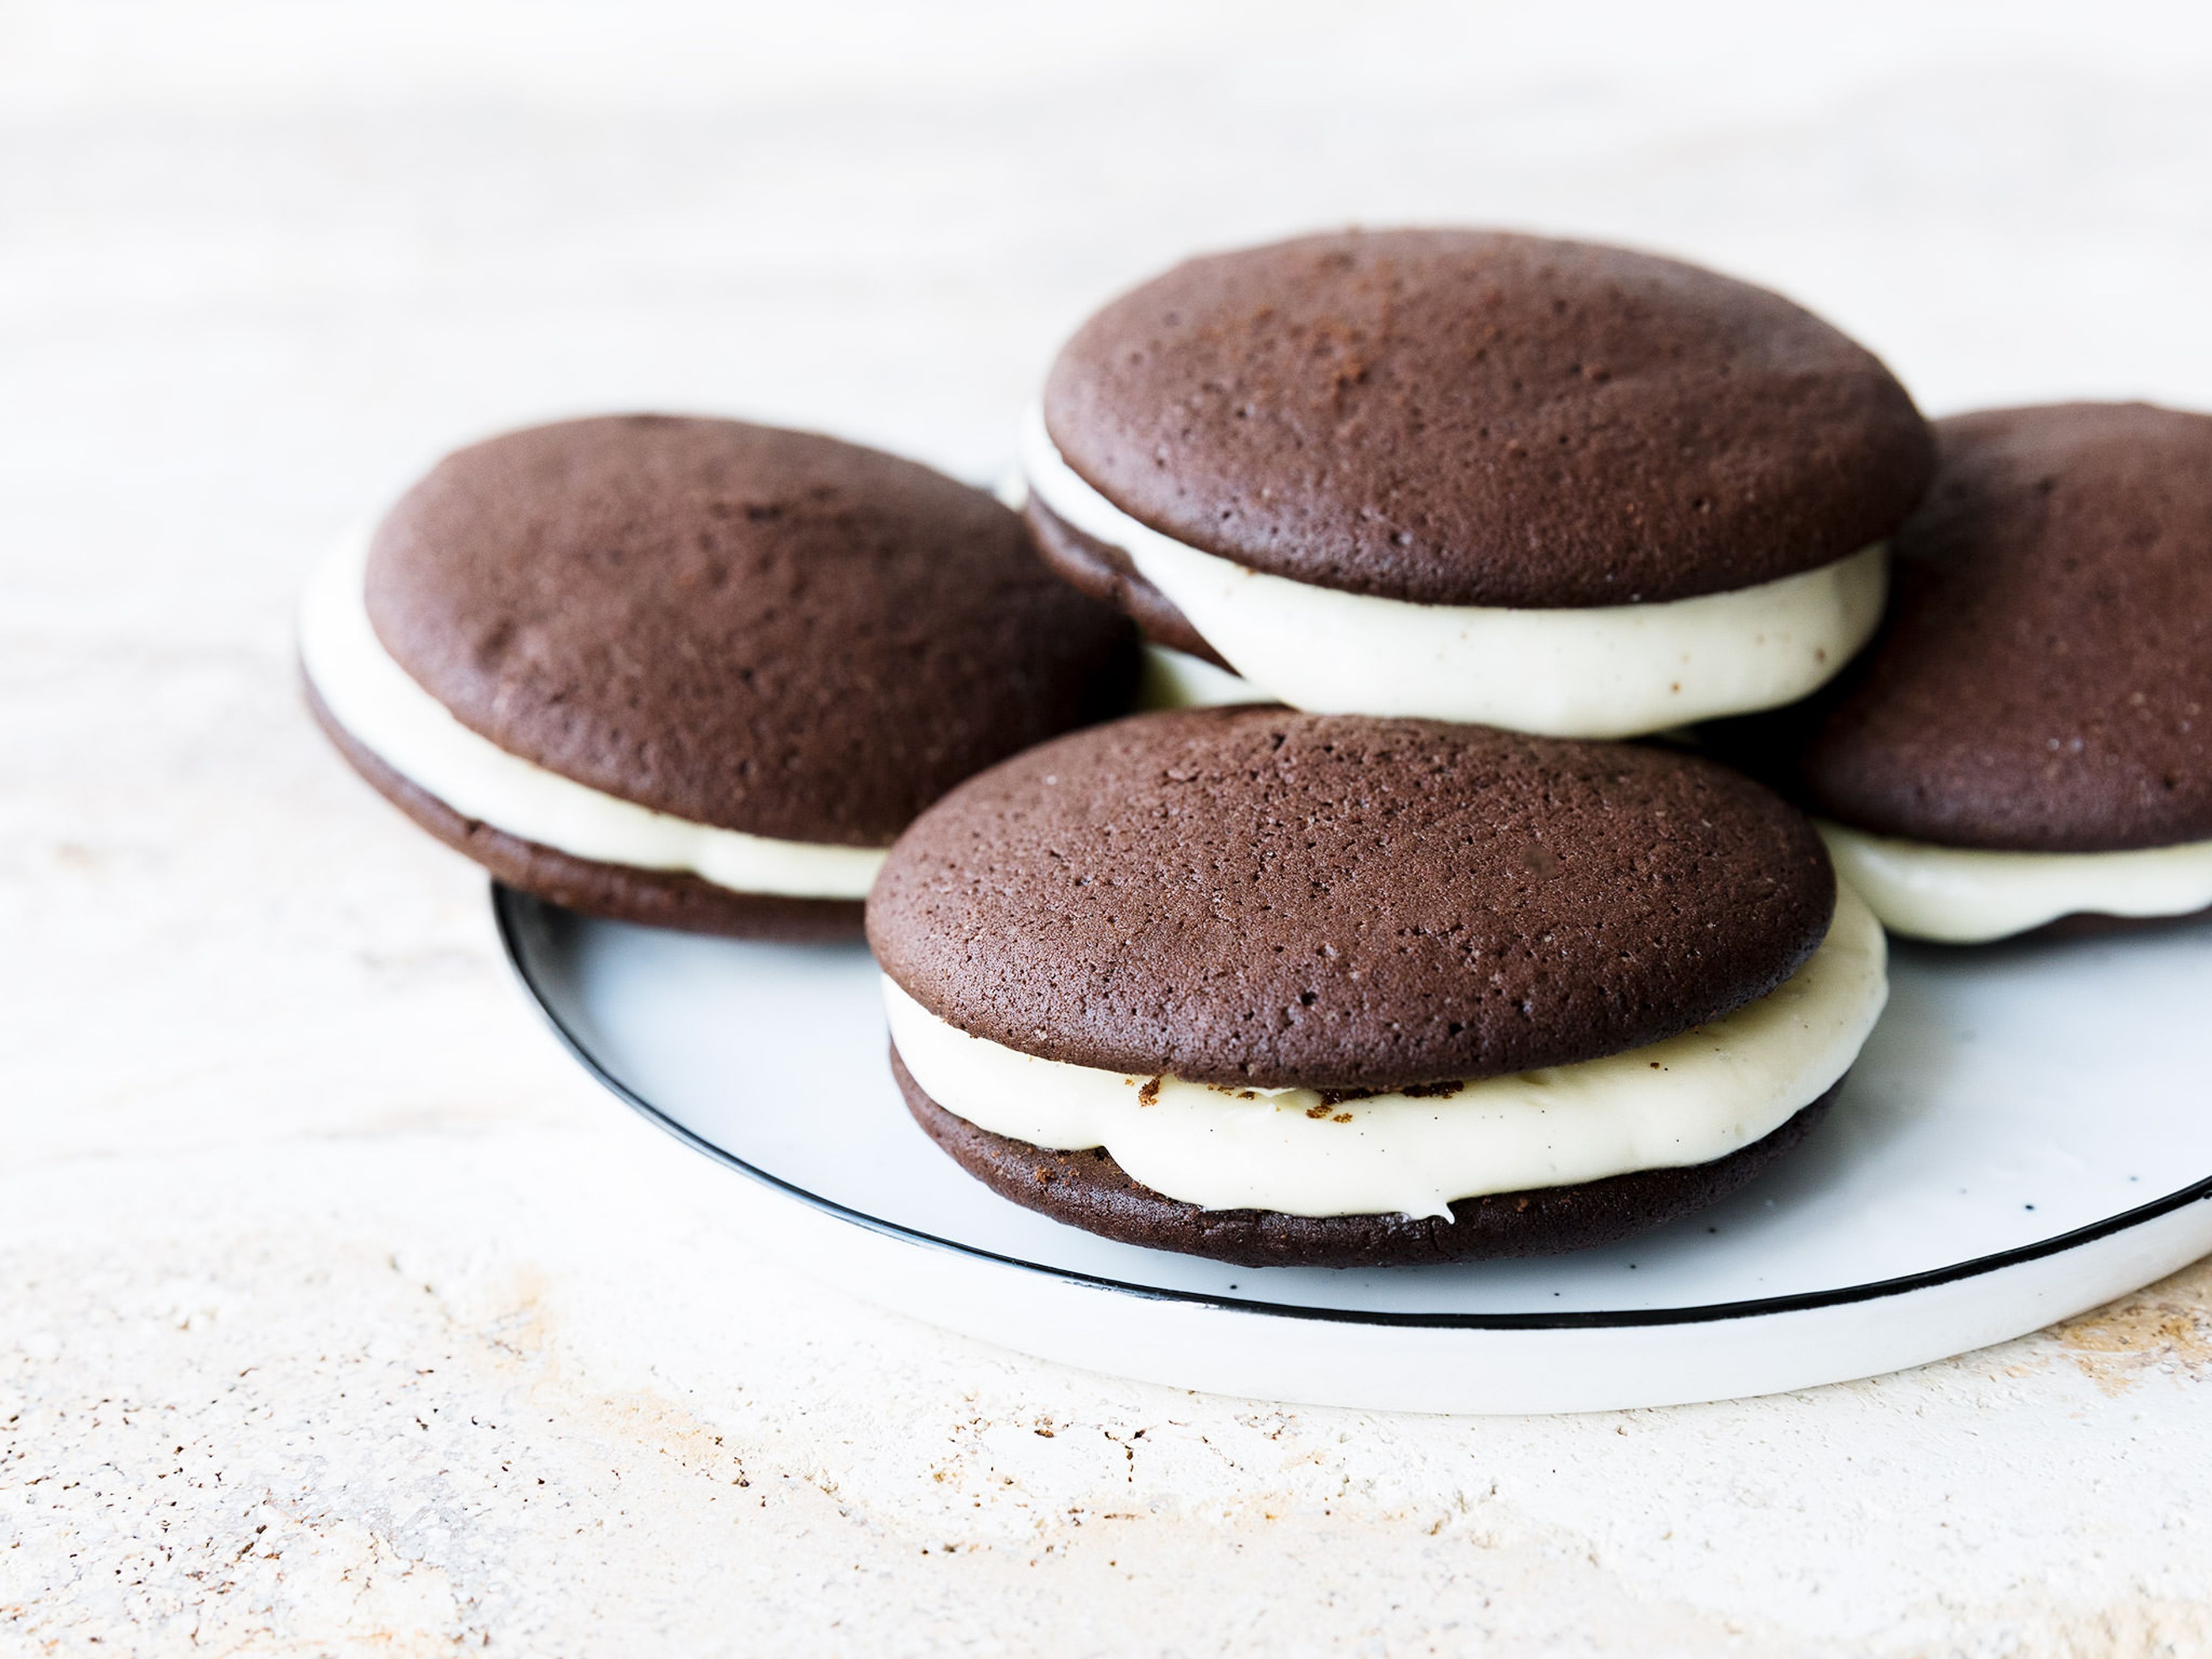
x=2029 y=739
x=1279 y=988
x=1475 y=476
x=694 y=672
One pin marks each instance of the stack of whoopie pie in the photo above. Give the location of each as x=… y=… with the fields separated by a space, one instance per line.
x=1415 y=967
x=1407 y=949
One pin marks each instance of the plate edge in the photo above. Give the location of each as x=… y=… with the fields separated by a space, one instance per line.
x=507 y=904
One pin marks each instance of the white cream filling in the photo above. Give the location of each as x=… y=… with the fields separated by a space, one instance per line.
x=1169 y=678
x=375 y=700
x=1176 y=679
x=1970 y=896
x=1689 y=1099
x=1606 y=672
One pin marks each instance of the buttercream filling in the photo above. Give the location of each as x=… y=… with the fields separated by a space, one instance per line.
x=1970 y=896
x=382 y=706
x=1169 y=678
x=1603 y=672
x=1176 y=679
x=1689 y=1099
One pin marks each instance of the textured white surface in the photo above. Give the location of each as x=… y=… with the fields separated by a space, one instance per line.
x=339 y=1314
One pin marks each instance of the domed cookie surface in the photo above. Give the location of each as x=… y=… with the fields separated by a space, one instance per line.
x=1475 y=417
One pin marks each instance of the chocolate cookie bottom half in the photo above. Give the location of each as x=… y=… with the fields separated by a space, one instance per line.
x=657 y=898
x=1106 y=572
x=1088 y=1189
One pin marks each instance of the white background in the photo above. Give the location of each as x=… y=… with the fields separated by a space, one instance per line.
x=337 y=1313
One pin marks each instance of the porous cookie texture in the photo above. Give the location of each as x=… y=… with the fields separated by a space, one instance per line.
x=1089 y=1189
x=1267 y=898
x=1475 y=417
x=622 y=892
x=2044 y=680
x=747 y=628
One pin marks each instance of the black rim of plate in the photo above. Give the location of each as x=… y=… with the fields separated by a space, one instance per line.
x=508 y=905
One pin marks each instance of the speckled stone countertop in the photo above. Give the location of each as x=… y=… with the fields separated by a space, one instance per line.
x=340 y=1313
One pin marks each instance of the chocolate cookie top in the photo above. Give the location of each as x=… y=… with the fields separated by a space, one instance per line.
x=759 y=629
x=2044 y=681
x=1473 y=417
x=1256 y=896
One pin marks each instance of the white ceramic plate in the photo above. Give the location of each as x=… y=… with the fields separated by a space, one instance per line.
x=2028 y=1134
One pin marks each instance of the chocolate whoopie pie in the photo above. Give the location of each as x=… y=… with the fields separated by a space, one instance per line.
x=1284 y=988
x=2030 y=737
x=1476 y=476
x=690 y=671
